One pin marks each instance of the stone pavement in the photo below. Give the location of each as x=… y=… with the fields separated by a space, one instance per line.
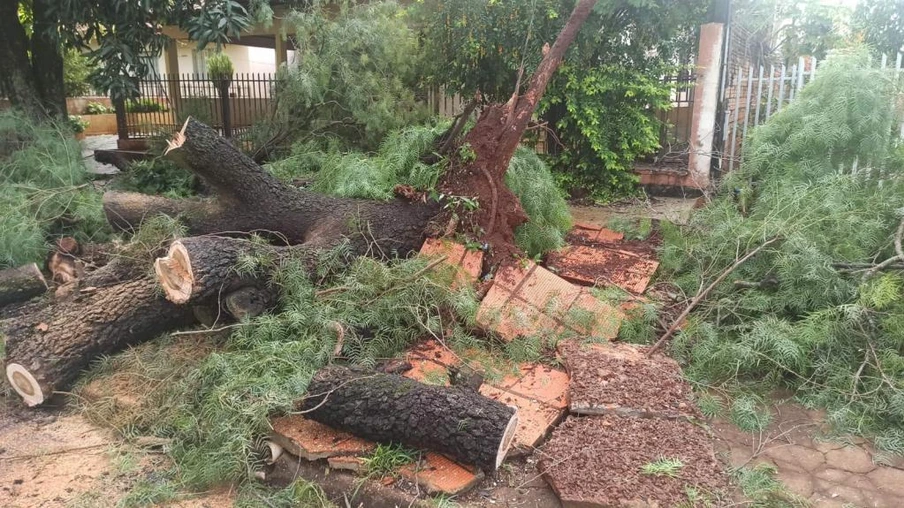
x=92 y=143
x=827 y=473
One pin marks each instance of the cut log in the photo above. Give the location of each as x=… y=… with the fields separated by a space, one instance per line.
x=249 y=199
x=202 y=269
x=20 y=284
x=459 y=423
x=48 y=347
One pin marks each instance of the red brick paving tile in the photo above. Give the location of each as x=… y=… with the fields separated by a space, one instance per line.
x=589 y=265
x=439 y=475
x=535 y=419
x=469 y=263
x=541 y=383
x=429 y=358
x=593 y=233
x=313 y=441
x=543 y=303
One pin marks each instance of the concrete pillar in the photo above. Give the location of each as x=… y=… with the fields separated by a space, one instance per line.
x=282 y=50
x=706 y=103
x=172 y=71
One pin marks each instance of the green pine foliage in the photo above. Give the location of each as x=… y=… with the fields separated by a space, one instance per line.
x=531 y=180
x=832 y=334
x=215 y=410
x=45 y=191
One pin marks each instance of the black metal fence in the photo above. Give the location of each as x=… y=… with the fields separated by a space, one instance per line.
x=675 y=132
x=168 y=99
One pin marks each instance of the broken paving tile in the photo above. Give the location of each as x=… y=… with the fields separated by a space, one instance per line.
x=314 y=441
x=541 y=383
x=604 y=266
x=591 y=233
x=354 y=464
x=469 y=263
x=617 y=378
x=597 y=461
x=531 y=300
x=430 y=361
x=438 y=474
x=535 y=419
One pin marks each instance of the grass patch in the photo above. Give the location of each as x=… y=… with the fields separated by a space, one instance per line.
x=663 y=466
x=387 y=459
x=758 y=483
x=633 y=229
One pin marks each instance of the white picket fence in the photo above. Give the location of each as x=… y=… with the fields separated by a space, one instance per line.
x=751 y=95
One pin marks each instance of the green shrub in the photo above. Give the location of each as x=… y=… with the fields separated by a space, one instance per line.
x=145 y=105
x=44 y=190
x=96 y=108
x=77 y=124
x=76 y=70
x=158 y=176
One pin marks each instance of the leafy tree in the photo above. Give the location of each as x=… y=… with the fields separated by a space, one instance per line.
x=599 y=102
x=352 y=82
x=34 y=33
x=787 y=29
x=881 y=23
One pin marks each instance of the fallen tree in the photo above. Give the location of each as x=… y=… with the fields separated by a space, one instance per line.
x=48 y=346
x=388 y=408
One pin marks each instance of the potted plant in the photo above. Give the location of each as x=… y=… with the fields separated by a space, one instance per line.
x=220 y=70
x=78 y=126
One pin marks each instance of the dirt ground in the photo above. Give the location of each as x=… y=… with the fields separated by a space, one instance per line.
x=55 y=458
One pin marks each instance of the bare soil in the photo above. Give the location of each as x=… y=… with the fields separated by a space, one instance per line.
x=621 y=378
x=599 y=460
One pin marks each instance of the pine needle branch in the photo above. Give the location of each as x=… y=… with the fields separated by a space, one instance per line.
x=703 y=294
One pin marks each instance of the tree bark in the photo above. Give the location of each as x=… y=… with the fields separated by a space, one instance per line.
x=16 y=78
x=47 y=61
x=20 y=284
x=249 y=199
x=48 y=347
x=459 y=423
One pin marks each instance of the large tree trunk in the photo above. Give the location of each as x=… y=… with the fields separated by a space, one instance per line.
x=16 y=78
x=249 y=199
x=20 y=284
x=47 y=348
x=388 y=408
x=46 y=59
